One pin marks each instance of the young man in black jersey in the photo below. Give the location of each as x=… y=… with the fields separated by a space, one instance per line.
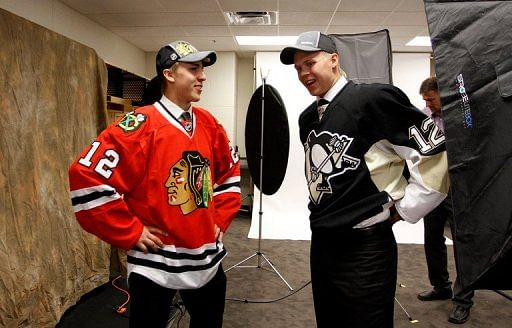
x=357 y=139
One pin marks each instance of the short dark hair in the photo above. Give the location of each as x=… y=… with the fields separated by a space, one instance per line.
x=429 y=84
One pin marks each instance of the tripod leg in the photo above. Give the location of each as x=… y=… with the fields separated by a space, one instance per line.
x=277 y=272
x=406 y=313
x=243 y=261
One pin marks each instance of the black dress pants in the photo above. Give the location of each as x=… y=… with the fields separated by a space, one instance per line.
x=435 y=247
x=436 y=252
x=151 y=303
x=353 y=275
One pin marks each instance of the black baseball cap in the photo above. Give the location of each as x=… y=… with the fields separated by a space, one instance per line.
x=182 y=51
x=308 y=41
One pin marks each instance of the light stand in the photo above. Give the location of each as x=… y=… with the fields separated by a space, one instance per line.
x=259 y=254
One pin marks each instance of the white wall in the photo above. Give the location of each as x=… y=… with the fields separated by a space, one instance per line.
x=245 y=89
x=409 y=70
x=219 y=91
x=59 y=18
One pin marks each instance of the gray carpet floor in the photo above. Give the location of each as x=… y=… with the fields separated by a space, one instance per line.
x=258 y=297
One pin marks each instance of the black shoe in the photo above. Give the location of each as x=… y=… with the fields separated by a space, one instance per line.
x=459 y=315
x=436 y=294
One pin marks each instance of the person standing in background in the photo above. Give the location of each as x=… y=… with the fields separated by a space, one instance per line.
x=434 y=222
x=357 y=139
x=163 y=183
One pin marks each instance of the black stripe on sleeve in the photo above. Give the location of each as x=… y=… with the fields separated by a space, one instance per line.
x=92 y=196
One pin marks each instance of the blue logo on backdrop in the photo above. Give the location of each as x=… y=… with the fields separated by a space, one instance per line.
x=465 y=108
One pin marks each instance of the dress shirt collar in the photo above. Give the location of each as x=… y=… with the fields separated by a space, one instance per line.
x=335 y=89
x=174 y=109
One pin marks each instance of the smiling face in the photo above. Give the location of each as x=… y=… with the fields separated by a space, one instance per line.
x=317 y=71
x=185 y=83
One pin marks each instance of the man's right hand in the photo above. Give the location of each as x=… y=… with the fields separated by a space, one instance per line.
x=148 y=239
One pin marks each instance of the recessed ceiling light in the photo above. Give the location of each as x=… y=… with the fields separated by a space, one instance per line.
x=420 y=41
x=266 y=40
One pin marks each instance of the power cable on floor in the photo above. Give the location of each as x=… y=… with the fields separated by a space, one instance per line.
x=268 y=301
x=121 y=309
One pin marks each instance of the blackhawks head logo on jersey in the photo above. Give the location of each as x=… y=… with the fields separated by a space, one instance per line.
x=189 y=184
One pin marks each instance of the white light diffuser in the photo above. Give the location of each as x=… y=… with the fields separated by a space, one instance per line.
x=266 y=40
x=420 y=41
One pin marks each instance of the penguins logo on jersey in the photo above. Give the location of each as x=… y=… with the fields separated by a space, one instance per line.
x=326 y=157
x=131 y=121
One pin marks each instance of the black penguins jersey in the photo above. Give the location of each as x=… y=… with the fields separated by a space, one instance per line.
x=356 y=154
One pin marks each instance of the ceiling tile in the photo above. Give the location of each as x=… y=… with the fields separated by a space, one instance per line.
x=150 y=23
x=368 y=5
x=167 y=31
x=114 y=6
x=405 y=30
x=407 y=18
x=298 y=29
x=307 y=6
x=211 y=30
x=411 y=5
x=132 y=19
x=304 y=18
x=177 y=6
x=217 y=43
x=248 y=5
x=254 y=30
x=359 y=18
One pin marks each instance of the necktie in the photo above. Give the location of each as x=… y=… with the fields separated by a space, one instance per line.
x=438 y=120
x=321 y=107
x=186 y=121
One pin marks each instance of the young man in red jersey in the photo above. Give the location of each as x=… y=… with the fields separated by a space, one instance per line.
x=163 y=184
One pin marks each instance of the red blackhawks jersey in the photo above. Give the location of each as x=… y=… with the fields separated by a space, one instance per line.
x=146 y=170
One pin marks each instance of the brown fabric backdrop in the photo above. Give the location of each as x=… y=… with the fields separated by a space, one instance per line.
x=52 y=105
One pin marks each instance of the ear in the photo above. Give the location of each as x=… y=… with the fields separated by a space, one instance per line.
x=335 y=59
x=168 y=75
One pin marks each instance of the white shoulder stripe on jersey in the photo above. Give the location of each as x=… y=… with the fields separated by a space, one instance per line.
x=228 y=181
x=231 y=189
x=89 y=190
x=96 y=202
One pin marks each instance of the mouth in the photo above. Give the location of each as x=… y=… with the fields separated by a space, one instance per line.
x=309 y=83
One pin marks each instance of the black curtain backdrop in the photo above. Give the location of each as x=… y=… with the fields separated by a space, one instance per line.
x=472 y=47
x=365 y=57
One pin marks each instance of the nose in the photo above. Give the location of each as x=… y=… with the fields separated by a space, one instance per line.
x=201 y=77
x=303 y=73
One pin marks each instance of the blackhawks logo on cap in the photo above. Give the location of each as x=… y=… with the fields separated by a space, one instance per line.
x=184 y=48
x=131 y=121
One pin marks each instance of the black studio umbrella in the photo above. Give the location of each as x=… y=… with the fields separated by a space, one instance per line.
x=276 y=139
